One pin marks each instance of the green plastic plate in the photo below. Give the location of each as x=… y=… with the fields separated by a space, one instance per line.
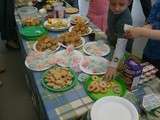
x=32 y=31
x=33 y=38
x=74 y=82
x=95 y=96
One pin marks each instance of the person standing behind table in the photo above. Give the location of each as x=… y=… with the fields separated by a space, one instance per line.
x=98 y=13
x=118 y=16
x=8 y=24
x=146 y=6
x=151 y=52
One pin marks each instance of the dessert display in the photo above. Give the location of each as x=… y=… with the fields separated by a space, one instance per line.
x=100 y=86
x=46 y=43
x=96 y=48
x=81 y=28
x=71 y=10
x=56 y=24
x=38 y=61
x=71 y=59
x=70 y=38
x=74 y=19
x=58 y=78
x=94 y=65
x=30 y=21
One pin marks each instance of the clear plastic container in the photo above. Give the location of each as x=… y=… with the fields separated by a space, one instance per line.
x=28 y=11
x=59 y=10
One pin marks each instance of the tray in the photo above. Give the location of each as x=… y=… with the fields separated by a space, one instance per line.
x=95 y=96
x=62 y=89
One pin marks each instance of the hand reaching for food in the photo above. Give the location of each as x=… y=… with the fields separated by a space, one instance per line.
x=111 y=71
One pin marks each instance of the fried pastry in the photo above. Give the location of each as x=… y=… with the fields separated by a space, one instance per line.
x=58 y=77
x=70 y=38
x=46 y=43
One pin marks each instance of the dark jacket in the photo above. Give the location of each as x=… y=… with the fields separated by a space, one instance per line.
x=7 y=19
x=116 y=24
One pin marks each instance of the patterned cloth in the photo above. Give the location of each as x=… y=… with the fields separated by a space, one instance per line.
x=65 y=105
x=75 y=103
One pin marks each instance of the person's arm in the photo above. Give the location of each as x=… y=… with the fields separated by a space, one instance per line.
x=143 y=32
x=117 y=56
x=120 y=46
x=154 y=34
x=119 y=52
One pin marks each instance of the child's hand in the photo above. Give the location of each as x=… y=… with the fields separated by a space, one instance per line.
x=133 y=33
x=111 y=71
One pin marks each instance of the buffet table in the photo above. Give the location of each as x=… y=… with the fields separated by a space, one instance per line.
x=57 y=106
x=72 y=104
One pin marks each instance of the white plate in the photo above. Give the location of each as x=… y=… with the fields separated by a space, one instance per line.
x=94 y=65
x=89 y=32
x=57 y=29
x=71 y=18
x=35 y=49
x=113 y=108
x=65 y=60
x=94 y=48
x=38 y=61
x=83 y=42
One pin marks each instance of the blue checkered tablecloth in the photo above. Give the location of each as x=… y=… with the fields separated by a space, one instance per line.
x=67 y=105
x=74 y=103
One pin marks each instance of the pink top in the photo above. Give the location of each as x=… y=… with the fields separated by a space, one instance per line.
x=98 y=13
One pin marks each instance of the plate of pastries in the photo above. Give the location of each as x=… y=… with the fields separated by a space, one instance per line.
x=30 y=21
x=71 y=10
x=71 y=38
x=81 y=28
x=97 y=87
x=74 y=19
x=56 y=24
x=46 y=43
x=59 y=79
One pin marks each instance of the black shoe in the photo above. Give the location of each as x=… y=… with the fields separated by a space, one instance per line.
x=1 y=83
x=2 y=70
x=12 y=45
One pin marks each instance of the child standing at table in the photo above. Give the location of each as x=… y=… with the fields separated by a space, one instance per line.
x=118 y=16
